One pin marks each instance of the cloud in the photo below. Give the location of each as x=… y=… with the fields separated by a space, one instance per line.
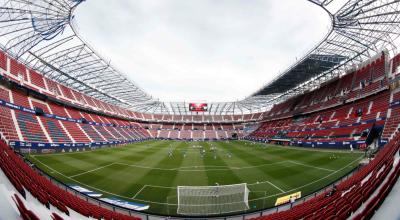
x=209 y=50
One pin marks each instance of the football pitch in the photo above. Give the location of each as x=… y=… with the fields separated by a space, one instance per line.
x=149 y=172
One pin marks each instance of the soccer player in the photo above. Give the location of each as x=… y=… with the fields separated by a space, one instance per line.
x=217 y=190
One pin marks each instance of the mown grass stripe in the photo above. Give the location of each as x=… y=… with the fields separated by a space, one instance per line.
x=152 y=176
x=163 y=177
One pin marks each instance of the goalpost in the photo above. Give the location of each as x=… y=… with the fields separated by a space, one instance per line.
x=211 y=200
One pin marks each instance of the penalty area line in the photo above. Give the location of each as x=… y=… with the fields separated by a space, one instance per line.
x=297 y=188
x=275 y=186
x=163 y=203
x=306 y=165
x=138 y=192
x=97 y=189
x=89 y=171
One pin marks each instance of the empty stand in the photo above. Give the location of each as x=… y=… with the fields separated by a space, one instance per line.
x=53 y=126
x=7 y=124
x=37 y=79
x=3 y=61
x=30 y=128
x=349 y=194
x=22 y=176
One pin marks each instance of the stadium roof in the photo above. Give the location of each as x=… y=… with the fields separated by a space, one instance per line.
x=41 y=33
x=307 y=68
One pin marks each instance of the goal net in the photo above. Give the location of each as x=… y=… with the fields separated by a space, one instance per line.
x=211 y=200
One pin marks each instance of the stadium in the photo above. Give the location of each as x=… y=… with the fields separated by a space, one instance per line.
x=80 y=139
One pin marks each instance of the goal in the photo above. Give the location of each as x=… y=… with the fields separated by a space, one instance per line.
x=212 y=200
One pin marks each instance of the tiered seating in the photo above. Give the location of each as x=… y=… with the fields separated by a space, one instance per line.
x=98 y=118
x=22 y=176
x=197 y=118
x=154 y=133
x=323 y=115
x=381 y=104
x=93 y=134
x=52 y=86
x=20 y=99
x=395 y=63
x=187 y=126
x=3 y=61
x=98 y=103
x=67 y=92
x=174 y=134
x=393 y=122
x=396 y=96
x=28 y=123
x=30 y=128
x=210 y=135
x=165 y=126
x=379 y=67
x=72 y=128
x=377 y=200
x=120 y=133
x=139 y=132
x=222 y=134
x=94 y=131
x=79 y=97
x=89 y=100
x=177 y=118
x=337 y=124
x=237 y=117
x=17 y=69
x=372 y=76
x=167 y=118
x=7 y=126
x=371 y=87
x=25 y=213
x=362 y=76
x=84 y=133
x=163 y=134
x=109 y=136
x=37 y=79
x=186 y=135
x=194 y=131
x=155 y=117
x=189 y=118
x=198 y=127
x=350 y=194
x=198 y=135
x=52 y=126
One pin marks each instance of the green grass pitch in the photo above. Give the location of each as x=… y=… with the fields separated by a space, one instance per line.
x=146 y=172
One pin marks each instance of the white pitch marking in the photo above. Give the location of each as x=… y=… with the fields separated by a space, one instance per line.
x=220 y=168
x=100 y=190
x=256 y=183
x=139 y=191
x=89 y=171
x=302 y=164
x=275 y=186
x=310 y=182
x=163 y=203
x=162 y=187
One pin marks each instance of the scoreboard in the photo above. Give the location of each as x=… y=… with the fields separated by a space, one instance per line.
x=198 y=107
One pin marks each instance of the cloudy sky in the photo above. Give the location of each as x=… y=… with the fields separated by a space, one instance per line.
x=201 y=50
